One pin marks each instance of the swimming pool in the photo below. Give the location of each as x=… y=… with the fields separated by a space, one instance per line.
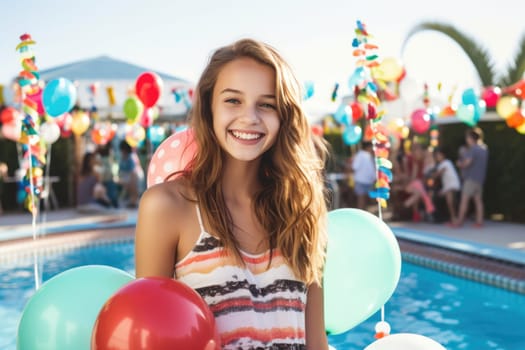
x=458 y=313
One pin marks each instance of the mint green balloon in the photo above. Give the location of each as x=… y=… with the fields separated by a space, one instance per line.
x=362 y=270
x=62 y=312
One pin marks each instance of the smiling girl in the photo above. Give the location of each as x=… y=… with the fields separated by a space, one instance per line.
x=245 y=224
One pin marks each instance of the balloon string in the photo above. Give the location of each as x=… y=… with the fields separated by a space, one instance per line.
x=43 y=221
x=379 y=208
x=47 y=186
x=34 y=213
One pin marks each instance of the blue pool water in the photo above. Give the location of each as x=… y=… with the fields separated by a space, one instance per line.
x=460 y=314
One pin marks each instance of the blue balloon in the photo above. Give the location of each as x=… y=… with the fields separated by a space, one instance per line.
x=59 y=97
x=469 y=97
x=352 y=135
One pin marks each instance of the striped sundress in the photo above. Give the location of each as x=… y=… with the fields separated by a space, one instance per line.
x=255 y=307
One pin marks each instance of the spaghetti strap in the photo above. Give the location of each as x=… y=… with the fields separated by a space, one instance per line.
x=199 y=218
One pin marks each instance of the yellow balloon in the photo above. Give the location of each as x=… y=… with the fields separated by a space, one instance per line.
x=80 y=123
x=390 y=69
x=506 y=106
x=135 y=134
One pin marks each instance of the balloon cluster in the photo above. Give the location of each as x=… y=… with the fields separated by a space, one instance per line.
x=366 y=94
x=140 y=107
x=100 y=307
x=472 y=107
x=511 y=106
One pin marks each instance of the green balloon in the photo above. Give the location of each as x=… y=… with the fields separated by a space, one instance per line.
x=62 y=312
x=362 y=270
x=133 y=109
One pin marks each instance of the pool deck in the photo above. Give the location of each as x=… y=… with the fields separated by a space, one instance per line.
x=497 y=249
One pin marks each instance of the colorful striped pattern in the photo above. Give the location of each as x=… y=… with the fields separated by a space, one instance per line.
x=256 y=307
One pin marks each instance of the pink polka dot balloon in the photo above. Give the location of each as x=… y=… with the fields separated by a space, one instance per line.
x=171 y=156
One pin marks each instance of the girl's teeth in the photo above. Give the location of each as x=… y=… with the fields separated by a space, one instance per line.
x=245 y=136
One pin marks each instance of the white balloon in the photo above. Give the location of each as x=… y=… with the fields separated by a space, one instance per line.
x=405 y=341
x=49 y=132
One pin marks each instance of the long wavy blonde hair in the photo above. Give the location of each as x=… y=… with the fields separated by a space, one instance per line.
x=291 y=203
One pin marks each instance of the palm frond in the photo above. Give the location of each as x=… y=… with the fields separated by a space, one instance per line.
x=516 y=69
x=478 y=54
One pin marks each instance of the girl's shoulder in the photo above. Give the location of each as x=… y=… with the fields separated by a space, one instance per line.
x=170 y=200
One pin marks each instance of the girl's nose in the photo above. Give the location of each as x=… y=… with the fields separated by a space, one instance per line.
x=251 y=115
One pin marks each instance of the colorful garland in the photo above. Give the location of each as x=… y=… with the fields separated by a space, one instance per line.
x=366 y=89
x=33 y=149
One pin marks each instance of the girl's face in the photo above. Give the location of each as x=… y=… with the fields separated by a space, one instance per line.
x=245 y=118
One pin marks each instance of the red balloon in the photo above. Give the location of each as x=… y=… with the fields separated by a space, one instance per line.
x=173 y=155
x=155 y=313
x=9 y=115
x=148 y=88
x=420 y=121
x=491 y=95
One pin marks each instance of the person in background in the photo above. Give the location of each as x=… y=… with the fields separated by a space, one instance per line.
x=364 y=172
x=91 y=194
x=415 y=166
x=107 y=174
x=450 y=182
x=474 y=167
x=130 y=173
x=246 y=225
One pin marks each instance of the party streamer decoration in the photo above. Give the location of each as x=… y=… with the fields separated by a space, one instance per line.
x=33 y=149
x=366 y=93
x=365 y=90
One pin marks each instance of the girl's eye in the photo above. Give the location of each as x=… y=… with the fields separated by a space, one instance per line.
x=268 y=105
x=233 y=100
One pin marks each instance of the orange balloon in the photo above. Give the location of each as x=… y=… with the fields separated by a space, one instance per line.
x=515 y=119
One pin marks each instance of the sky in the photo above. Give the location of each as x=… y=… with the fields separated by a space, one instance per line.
x=177 y=37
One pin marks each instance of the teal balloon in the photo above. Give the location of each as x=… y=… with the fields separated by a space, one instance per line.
x=467 y=114
x=469 y=97
x=62 y=312
x=480 y=109
x=59 y=97
x=352 y=135
x=362 y=270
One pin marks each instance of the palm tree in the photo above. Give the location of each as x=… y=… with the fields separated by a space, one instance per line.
x=478 y=54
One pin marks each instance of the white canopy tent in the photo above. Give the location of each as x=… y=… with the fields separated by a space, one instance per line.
x=119 y=76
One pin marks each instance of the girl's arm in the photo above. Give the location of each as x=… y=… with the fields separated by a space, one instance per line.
x=155 y=241
x=315 y=328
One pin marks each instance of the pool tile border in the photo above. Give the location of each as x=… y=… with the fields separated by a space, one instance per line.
x=24 y=252
x=469 y=273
